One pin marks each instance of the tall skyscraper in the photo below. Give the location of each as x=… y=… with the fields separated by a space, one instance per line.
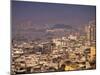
x=90 y=30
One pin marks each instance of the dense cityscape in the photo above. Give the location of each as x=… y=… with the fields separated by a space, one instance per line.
x=72 y=51
x=52 y=37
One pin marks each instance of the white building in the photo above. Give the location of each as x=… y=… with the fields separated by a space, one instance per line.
x=72 y=37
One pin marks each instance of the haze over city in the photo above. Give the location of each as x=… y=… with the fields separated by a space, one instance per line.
x=51 y=37
x=28 y=16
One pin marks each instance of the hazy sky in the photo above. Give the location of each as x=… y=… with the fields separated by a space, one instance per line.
x=27 y=16
x=51 y=13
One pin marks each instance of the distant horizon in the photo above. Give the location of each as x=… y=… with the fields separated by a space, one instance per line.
x=27 y=16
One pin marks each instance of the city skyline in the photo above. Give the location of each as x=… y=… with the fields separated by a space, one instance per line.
x=51 y=37
x=28 y=16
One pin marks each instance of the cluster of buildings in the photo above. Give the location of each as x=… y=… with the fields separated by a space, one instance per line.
x=64 y=53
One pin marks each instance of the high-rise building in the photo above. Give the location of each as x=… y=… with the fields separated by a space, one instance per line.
x=90 y=30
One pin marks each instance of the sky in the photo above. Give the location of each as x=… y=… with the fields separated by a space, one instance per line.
x=51 y=13
x=26 y=16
